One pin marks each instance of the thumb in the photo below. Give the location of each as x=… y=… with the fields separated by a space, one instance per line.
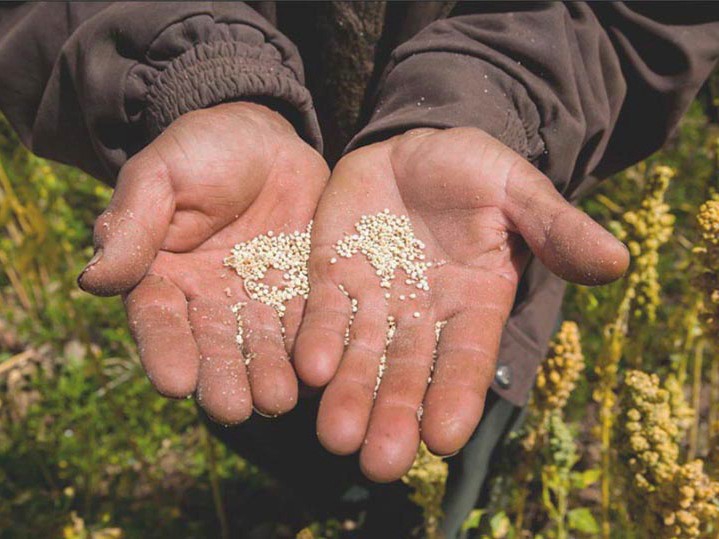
x=131 y=230
x=567 y=241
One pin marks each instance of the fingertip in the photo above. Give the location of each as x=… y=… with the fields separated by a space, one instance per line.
x=174 y=385
x=315 y=364
x=115 y=271
x=582 y=251
x=448 y=424
x=614 y=259
x=391 y=445
x=448 y=441
x=274 y=387
x=98 y=282
x=225 y=409
x=176 y=378
x=342 y=421
x=126 y=237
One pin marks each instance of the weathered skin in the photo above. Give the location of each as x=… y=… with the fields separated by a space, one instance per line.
x=185 y=200
x=215 y=177
x=480 y=207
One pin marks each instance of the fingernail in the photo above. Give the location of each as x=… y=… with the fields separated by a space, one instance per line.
x=94 y=260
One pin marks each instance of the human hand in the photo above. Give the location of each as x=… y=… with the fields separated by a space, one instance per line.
x=479 y=207
x=214 y=178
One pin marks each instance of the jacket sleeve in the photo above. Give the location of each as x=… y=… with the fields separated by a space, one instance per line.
x=578 y=89
x=89 y=84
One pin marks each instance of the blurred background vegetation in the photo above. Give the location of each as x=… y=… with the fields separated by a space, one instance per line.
x=87 y=449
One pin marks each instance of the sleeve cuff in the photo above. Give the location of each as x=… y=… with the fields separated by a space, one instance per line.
x=443 y=90
x=218 y=72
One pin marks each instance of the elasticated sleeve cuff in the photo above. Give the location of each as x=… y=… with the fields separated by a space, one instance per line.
x=214 y=73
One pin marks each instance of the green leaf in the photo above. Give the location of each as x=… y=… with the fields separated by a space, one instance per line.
x=582 y=520
x=472 y=521
x=499 y=524
x=586 y=478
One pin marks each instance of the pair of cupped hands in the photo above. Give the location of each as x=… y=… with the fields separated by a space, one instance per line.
x=223 y=175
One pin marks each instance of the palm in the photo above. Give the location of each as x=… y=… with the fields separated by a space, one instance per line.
x=185 y=201
x=468 y=198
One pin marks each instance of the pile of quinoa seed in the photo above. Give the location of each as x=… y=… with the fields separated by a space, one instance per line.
x=288 y=253
x=388 y=242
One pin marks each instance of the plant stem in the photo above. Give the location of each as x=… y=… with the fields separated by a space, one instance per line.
x=606 y=465
x=521 y=505
x=696 y=398
x=562 y=511
x=215 y=484
x=713 y=419
x=691 y=321
x=608 y=366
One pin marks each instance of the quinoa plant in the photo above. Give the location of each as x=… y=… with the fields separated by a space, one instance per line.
x=549 y=451
x=707 y=251
x=645 y=231
x=427 y=478
x=667 y=499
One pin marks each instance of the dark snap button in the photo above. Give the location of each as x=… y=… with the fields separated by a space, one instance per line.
x=503 y=376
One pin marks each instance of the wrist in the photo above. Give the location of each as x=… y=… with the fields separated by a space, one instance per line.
x=266 y=115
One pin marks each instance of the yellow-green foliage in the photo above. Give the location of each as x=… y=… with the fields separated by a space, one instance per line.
x=549 y=446
x=561 y=446
x=682 y=414
x=646 y=230
x=557 y=375
x=708 y=251
x=667 y=499
x=427 y=478
x=558 y=458
x=556 y=379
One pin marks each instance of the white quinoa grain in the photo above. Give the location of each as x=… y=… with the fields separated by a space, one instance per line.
x=236 y=308
x=388 y=242
x=438 y=327
x=391 y=329
x=288 y=253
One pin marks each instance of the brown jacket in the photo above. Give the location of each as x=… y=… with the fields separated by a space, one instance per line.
x=581 y=90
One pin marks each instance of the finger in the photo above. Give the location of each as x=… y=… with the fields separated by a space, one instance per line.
x=157 y=316
x=347 y=402
x=320 y=341
x=222 y=386
x=130 y=232
x=393 y=435
x=567 y=240
x=466 y=357
x=291 y=323
x=272 y=378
